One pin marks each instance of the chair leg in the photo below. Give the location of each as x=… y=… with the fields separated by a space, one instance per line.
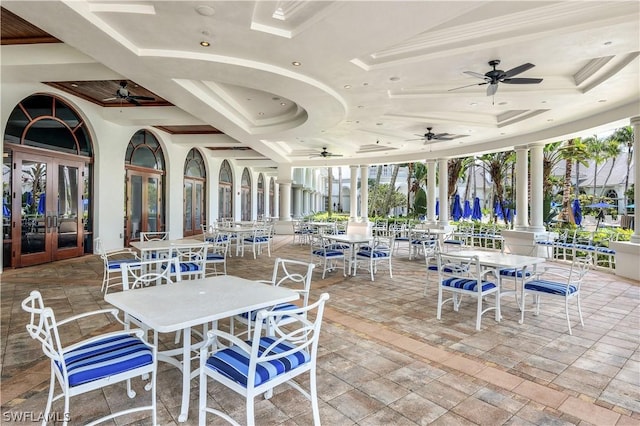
x=250 y=419
x=579 y=309
x=479 y=313
x=52 y=384
x=439 y=311
x=202 y=403
x=566 y=312
x=314 y=397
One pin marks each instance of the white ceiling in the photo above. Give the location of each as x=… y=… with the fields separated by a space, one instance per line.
x=398 y=59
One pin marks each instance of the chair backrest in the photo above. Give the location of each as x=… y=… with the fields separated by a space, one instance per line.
x=43 y=328
x=191 y=259
x=458 y=266
x=154 y=236
x=293 y=274
x=150 y=272
x=300 y=334
x=579 y=268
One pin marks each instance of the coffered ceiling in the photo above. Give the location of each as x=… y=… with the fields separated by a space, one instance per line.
x=280 y=80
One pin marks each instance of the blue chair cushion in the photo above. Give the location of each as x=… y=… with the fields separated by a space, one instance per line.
x=115 y=264
x=551 y=287
x=280 y=307
x=373 y=253
x=215 y=256
x=605 y=250
x=459 y=242
x=467 y=284
x=185 y=267
x=234 y=363
x=257 y=239
x=511 y=272
x=105 y=358
x=328 y=253
x=546 y=243
x=339 y=246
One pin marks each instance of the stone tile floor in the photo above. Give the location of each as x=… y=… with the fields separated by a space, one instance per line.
x=384 y=358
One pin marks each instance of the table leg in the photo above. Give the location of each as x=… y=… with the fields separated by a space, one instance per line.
x=186 y=373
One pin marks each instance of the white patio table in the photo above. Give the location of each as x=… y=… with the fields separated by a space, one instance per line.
x=186 y=304
x=148 y=247
x=352 y=240
x=498 y=260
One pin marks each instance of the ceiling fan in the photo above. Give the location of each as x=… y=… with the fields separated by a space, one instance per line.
x=325 y=154
x=495 y=76
x=123 y=94
x=429 y=136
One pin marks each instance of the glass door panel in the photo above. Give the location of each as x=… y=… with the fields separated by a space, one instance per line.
x=153 y=210
x=32 y=208
x=135 y=207
x=188 y=208
x=67 y=215
x=144 y=204
x=198 y=207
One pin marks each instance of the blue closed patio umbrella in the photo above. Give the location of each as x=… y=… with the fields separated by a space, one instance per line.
x=437 y=207
x=28 y=199
x=509 y=213
x=42 y=204
x=600 y=205
x=456 y=209
x=466 y=211
x=497 y=210
x=577 y=212
x=476 y=213
x=5 y=209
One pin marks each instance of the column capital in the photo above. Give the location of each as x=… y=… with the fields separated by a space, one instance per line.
x=520 y=148
x=635 y=121
x=284 y=181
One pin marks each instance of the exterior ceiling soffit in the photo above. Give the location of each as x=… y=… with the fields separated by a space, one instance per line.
x=476 y=119
x=607 y=73
x=289 y=18
x=560 y=18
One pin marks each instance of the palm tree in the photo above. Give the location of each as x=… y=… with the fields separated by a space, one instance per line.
x=596 y=149
x=625 y=136
x=573 y=150
x=497 y=164
x=392 y=189
x=612 y=151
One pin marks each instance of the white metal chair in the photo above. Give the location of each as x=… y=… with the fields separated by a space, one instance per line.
x=323 y=253
x=371 y=256
x=191 y=259
x=93 y=363
x=112 y=261
x=217 y=256
x=430 y=250
x=154 y=236
x=559 y=283
x=463 y=276
x=275 y=355
x=260 y=238
x=293 y=274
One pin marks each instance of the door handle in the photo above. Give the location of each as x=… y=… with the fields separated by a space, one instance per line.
x=55 y=221
x=49 y=223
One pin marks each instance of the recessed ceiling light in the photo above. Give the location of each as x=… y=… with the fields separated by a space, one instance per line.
x=378 y=124
x=602 y=100
x=360 y=106
x=296 y=63
x=365 y=84
x=608 y=43
x=549 y=119
x=275 y=98
x=205 y=10
x=394 y=78
x=205 y=43
x=473 y=103
x=283 y=103
x=502 y=133
x=543 y=102
x=74 y=85
x=261 y=113
x=347 y=86
x=502 y=103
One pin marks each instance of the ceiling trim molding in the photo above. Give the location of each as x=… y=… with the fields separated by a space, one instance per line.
x=624 y=61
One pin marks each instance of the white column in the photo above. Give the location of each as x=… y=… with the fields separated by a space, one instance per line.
x=443 y=185
x=297 y=200
x=285 y=200
x=353 y=202
x=635 y=123
x=522 y=188
x=276 y=200
x=364 y=193
x=305 y=202
x=537 y=196
x=431 y=191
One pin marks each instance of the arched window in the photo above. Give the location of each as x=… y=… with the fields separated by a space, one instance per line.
x=144 y=163
x=47 y=162
x=613 y=195
x=195 y=178
x=225 y=192
x=245 y=196
x=272 y=198
x=260 y=196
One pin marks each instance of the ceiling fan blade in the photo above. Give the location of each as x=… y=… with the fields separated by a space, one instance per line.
x=109 y=99
x=468 y=85
x=142 y=98
x=443 y=137
x=522 y=80
x=517 y=70
x=132 y=101
x=476 y=74
x=492 y=89
x=418 y=139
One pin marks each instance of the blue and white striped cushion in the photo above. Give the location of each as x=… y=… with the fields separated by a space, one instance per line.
x=453 y=242
x=546 y=243
x=185 y=267
x=257 y=239
x=328 y=253
x=115 y=264
x=467 y=284
x=511 y=272
x=550 y=287
x=106 y=358
x=215 y=256
x=280 y=307
x=605 y=250
x=234 y=363
x=339 y=246
x=373 y=253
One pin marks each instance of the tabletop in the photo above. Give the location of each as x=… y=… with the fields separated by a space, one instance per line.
x=350 y=238
x=497 y=259
x=162 y=244
x=171 y=307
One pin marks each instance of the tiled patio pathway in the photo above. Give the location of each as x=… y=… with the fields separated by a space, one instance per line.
x=384 y=357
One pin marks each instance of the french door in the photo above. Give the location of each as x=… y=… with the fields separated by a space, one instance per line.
x=47 y=208
x=144 y=204
x=193 y=206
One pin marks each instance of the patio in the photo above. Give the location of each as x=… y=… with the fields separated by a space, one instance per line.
x=384 y=357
